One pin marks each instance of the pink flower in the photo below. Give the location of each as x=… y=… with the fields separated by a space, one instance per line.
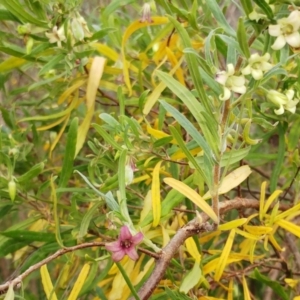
x=125 y=245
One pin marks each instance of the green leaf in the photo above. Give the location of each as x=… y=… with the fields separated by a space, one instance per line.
x=55 y=213
x=192 y=64
x=189 y=127
x=128 y=281
x=111 y=121
x=51 y=64
x=67 y=167
x=29 y=236
x=87 y=219
x=162 y=142
x=265 y=8
x=5 y=15
x=31 y=174
x=242 y=38
x=228 y=158
x=247 y=6
x=191 y=279
x=107 y=137
x=109 y=199
x=275 y=286
x=18 y=11
x=276 y=171
x=215 y=9
x=190 y=157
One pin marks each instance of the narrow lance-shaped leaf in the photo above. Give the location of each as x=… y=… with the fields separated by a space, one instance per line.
x=55 y=213
x=155 y=190
x=224 y=255
x=192 y=195
x=190 y=157
x=79 y=282
x=47 y=283
x=67 y=167
x=242 y=38
x=231 y=180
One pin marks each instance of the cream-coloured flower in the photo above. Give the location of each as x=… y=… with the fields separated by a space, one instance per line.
x=257 y=66
x=286 y=31
x=230 y=82
x=56 y=36
x=283 y=101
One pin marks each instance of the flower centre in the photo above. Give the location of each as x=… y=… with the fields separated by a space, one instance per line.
x=288 y=29
x=126 y=244
x=256 y=66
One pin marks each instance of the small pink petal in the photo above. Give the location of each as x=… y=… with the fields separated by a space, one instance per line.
x=137 y=238
x=125 y=234
x=131 y=252
x=117 y=256
x=114 y=246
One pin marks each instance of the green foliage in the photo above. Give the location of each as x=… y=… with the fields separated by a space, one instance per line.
x=149 y=117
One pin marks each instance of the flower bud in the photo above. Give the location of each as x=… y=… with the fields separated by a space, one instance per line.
x=12 y=190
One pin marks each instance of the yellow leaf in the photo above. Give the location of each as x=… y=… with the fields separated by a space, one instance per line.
x=11 y=63
x=95 y=75
x=155 y=188
x=159 y=134
x=165 y=235
x=180 y=154
x=232 y=224
x=140 y=178
x=79 y=282
x=78 y=83
x=258 y=230
x=262 y=199
x=291 y=282
x=60 y=114
x=224 y=255
x=208 y=236
x=134 y=26
x=288 y=212
x=271 y=199
x=231 y=180
x=230 y=290
x=192 y=249
x=47 y=127
x=247 y=235
x=192 y=195
x=289 y=226
x=153 y=97
x=106 y=51
x=119 y=284
x=173 y=60
x=57 y=138
x=47 y=283
x=213 y=264
x=10 y=295
x=147 y=206
x=246 y=290
x=274 y=243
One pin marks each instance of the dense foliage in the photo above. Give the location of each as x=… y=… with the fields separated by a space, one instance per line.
x=149 y=149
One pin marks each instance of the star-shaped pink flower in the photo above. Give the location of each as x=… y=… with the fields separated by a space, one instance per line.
x=125 y=245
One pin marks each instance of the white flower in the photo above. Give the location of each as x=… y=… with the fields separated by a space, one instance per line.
x=257 y=66
x=57 y=36
x=286 y=31
x=283 y=101
x=230 y=82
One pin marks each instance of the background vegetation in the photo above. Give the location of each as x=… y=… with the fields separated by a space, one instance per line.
x=177 y=119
